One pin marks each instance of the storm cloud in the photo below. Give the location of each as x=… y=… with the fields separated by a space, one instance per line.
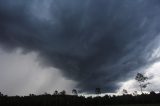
x=96 y=43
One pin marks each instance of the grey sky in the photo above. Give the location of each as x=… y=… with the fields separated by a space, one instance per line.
x=21 y=74
x=95 y=43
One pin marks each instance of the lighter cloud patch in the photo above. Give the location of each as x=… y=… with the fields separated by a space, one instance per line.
x=129 y=85
x=41 y=10
x=21 y=74
x=153 y=73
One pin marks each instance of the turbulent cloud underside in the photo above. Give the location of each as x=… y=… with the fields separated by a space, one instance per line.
x=95 y=43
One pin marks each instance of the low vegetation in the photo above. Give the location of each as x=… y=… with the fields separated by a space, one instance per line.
x=74 y=100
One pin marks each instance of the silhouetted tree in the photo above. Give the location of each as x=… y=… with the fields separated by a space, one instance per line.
x=98 y=91
x=70 y=100
x=141 y=79
x=152 y=93
x=45 y=93
x=125 y=91
x=63 y=92
x=31 y=95
x=1 y=94
x=135 y=93
x=55 y=92
x=74 y=91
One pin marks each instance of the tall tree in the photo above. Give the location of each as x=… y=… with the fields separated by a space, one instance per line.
x=142 y=81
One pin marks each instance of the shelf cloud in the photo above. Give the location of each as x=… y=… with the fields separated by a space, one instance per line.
x=96 y=43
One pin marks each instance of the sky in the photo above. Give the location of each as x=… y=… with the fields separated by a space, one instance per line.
x=84 y=44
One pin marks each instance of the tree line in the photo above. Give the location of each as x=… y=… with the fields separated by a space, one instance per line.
x=62 y=99
x=73 y=100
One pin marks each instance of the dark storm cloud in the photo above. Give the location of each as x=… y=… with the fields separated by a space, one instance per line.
x=96 y=43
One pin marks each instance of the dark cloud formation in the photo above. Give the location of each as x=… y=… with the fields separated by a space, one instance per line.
x=96 y=43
